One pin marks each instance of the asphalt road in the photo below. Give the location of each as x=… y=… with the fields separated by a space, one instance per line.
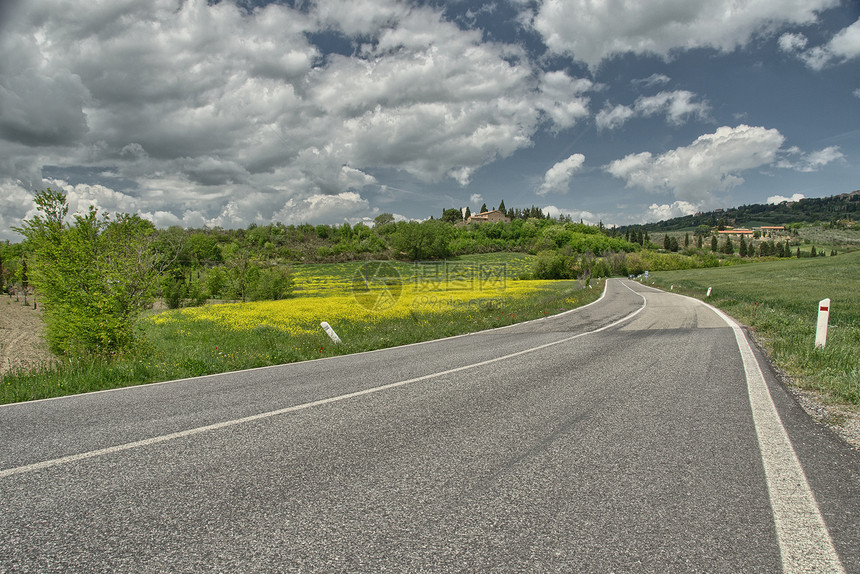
x=637 y=434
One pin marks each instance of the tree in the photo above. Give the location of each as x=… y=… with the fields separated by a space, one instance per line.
x=502 y=206
x=468 y=213
x=452 y=215
x=382 y=219
x=686 y=240
x=95 y=275
x=714 y=244
x=428 y=240
x=728 y=248
x=483 y=208
x=742 y=247
x=703 y=230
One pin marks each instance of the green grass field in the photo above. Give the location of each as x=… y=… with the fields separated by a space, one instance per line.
x=779 y=301
x=437 y=300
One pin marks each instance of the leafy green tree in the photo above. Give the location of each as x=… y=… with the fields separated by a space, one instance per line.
x=271 y=284
x=428 y=240
x=95 y=275
x=452 y=215
x=703 y=230
x=383 y=219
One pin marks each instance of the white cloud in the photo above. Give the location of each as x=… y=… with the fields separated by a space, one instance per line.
x=857 y=92
x=652 y=81
x=561 y=98
x=476 y=199
x=794 y=158
x=844 y=46
x=846 y=43
x=670 y=210
x=594 y=31
x=347 y=206
x=677 y=106
x=610 y=118
x=712 y=163
x=228 y=114
x=558 y=177
x=792 y=42
x=774 y=199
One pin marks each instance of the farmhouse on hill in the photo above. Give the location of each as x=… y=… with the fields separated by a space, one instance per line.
x=489 y=217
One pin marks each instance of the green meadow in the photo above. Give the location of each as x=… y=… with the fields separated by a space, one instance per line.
x=778 y=300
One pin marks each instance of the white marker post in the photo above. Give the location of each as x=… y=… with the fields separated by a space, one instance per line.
x=709 y=292
x=823 y=320
x=330 y=332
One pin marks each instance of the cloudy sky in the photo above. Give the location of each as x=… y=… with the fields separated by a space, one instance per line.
x=228 y=113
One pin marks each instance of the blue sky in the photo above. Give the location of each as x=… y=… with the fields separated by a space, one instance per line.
x=228 y=113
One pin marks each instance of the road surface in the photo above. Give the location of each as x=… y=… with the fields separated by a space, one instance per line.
x=641 y=433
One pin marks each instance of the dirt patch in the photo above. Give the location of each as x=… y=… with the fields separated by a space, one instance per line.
x=22 y=341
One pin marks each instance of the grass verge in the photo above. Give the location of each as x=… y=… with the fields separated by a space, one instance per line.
x=187 y=347
x=778 y=300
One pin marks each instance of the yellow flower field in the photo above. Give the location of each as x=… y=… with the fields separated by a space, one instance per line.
x=302 y=315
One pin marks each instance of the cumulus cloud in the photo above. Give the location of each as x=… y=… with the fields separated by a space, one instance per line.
x=844 y=46
x=677 y=106
x=774 y=199
x=227 y=115
x=612 y=117
x=594 y=31
x=557 y=178
x=562 y=100
x=348 y=206
x=794 y=158
x=712 y=163
x=670 y=210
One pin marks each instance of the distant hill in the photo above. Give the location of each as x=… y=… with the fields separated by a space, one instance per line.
x=844 y=206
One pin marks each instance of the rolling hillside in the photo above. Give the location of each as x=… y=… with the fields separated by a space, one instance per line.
x=837 y=207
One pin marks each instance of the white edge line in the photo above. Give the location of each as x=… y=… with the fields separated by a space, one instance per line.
x=144 y=386
x=225 y=424
x=804 y=542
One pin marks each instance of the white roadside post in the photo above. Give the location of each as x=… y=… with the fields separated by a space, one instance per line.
x=823 y=320
x=330 y=332
x=709 y=292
